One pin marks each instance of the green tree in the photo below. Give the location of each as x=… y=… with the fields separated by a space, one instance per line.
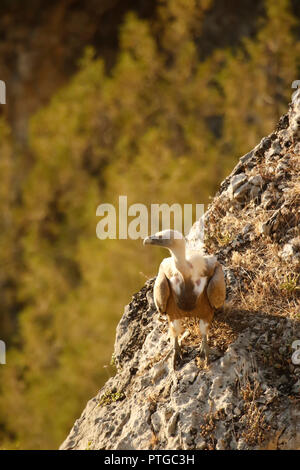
x=257 y=78
x=163 y=126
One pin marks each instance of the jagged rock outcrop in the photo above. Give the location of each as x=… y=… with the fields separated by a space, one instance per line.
x=249 y=396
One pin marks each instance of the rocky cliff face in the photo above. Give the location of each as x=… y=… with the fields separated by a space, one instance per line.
x=249 y=395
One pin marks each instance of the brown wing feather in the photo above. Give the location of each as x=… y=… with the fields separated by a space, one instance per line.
x=161 y=291
x=216 y=289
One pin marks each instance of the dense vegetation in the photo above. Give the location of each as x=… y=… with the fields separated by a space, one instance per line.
x=162 y=126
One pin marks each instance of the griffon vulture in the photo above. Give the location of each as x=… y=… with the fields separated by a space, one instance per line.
x=188 y=284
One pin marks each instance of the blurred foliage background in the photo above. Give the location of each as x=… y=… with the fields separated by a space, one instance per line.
x=165 y=123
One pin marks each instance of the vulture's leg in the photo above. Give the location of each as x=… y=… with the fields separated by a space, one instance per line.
x=175 y=330
x=177 y=352
x=203 y=326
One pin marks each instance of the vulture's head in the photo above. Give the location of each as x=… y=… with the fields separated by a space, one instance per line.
x=171 y=239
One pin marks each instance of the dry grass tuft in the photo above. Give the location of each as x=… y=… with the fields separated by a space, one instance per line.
x=253 y=418
x=208 y=427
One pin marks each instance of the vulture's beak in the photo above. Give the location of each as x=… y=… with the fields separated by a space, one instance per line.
x=156 y=240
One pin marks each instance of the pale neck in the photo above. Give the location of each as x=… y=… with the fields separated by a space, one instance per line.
x=180 y=260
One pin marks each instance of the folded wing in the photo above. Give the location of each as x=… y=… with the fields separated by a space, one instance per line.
x=216 y=289
x=161 y=291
